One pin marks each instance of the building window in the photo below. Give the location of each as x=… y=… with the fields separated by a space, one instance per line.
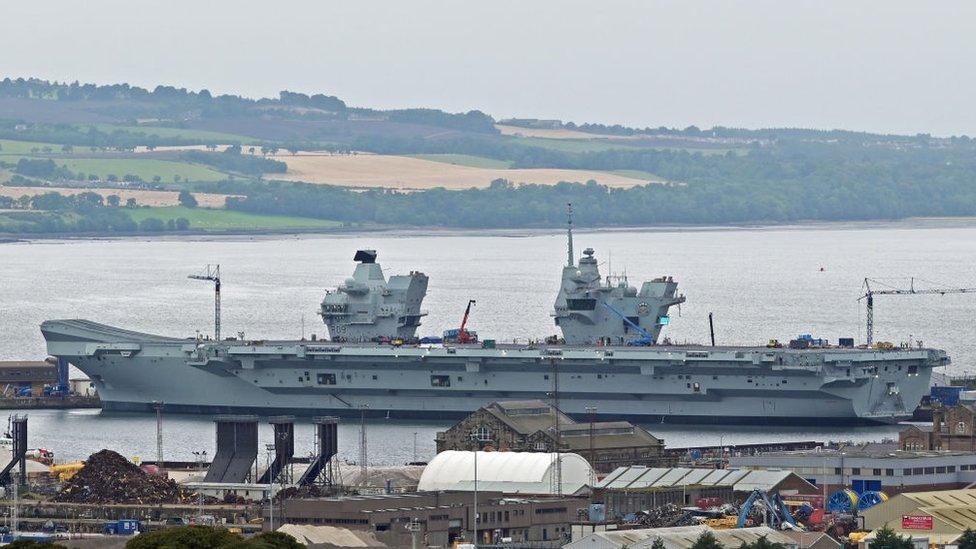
x=482 y=433
x=940 y=469
x=961 y=428
x=876 y=472
x=326 y=379
x=440 y=381
x=906 y=472
x=838 y=471
x=951 y=468
x=889 y=472
x=930 y=470
x=917 y=471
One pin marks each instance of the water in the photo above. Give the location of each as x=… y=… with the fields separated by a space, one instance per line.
x=760 y=283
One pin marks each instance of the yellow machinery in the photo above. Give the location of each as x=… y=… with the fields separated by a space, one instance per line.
x=723 y=523
x=66 y=470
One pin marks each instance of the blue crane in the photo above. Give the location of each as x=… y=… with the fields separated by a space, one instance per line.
x=777 y=511
x=646 y=339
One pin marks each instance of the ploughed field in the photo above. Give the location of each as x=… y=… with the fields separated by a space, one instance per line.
x=402 y=172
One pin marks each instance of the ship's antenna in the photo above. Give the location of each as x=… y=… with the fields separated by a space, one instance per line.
x=569 y=234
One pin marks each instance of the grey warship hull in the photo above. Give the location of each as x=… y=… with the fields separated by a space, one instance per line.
x=745 y=385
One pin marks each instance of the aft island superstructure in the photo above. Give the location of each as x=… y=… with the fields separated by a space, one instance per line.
x=608 y=359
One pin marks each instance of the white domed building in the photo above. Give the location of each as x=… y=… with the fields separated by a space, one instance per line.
x=506 y=472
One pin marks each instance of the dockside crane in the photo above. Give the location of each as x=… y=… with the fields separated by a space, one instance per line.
x=212 y=273
x=463 y=335
x=870 y=292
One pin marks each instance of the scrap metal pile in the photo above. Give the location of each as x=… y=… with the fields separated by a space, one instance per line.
x=665 y=516
x=107 y=477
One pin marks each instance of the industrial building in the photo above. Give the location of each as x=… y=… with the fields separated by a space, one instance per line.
x=631 y=489
x=530 y=426
x=680 y=537
x=442 y=517
x=871 y=467
x=951 y=429
x=941 y=517
x=507 y=472
x=16 y=375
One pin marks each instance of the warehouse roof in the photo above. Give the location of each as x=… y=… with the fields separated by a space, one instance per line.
x=331 y=535
x=874 y=451
x=681 y=537
x=508 y=472
x=741 y=480
x=941 y=498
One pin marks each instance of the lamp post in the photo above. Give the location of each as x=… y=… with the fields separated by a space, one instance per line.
x=201 y=458
x=477 y=447
x=591 y=413
x=270 y=448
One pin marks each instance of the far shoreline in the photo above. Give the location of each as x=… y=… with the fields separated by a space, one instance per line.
x=913 y=223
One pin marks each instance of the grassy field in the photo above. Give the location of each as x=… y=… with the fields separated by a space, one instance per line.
x=600 y=145
x=20 y=148
x=145 y=168
x=548 y=133
x=205 y=219
x=639 y=174
x=572 y=145
x=465 y=160
x=11 y=151
x=184 y=133
x=142 y=197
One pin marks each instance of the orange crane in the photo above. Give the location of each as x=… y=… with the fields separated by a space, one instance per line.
x=463 y=335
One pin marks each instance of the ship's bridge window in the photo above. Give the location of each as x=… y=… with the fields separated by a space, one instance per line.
x=586 y=304
x=326 y=379
x=440 y=381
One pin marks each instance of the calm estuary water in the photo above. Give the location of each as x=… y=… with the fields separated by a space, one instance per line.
x=760 y=283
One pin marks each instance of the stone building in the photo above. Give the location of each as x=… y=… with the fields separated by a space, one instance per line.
x=530 y=426
x=951 y=429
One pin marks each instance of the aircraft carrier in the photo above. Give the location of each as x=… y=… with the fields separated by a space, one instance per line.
x=608 y=358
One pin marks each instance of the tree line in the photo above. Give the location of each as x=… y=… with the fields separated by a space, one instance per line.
x=507 y=205
x=85 y=212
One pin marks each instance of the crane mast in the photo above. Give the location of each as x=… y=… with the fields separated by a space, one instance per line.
x=463 y=335
x=212 y=274
x=870 y=292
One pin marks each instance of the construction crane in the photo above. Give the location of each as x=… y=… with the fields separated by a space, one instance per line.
x=870 y=292
x=212 y=274
x=463 y=335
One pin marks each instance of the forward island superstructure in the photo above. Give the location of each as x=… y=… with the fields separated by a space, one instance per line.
x=609 y=360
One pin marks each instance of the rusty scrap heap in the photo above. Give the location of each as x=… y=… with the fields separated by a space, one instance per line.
x=107 y=477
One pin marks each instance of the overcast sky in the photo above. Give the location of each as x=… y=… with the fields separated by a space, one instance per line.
x=889 y=66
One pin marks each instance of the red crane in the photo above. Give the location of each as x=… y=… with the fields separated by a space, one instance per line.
x=463 y=335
